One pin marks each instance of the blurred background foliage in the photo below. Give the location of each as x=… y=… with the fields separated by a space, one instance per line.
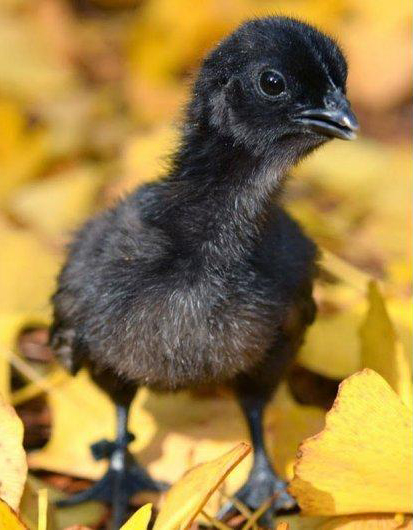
x=91 y=92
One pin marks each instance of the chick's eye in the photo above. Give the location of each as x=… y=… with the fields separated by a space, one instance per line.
x=271 y=83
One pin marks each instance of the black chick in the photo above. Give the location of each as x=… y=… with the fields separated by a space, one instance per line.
x=202 y=277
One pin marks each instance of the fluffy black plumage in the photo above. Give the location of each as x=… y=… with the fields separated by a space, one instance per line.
x=202 y=277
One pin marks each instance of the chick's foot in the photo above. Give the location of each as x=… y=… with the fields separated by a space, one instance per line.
x=123 y=479
x=262 y=485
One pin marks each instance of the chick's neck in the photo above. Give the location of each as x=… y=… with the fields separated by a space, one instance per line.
x=220 y=195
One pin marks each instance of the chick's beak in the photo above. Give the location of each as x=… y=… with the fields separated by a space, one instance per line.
x=336 y=119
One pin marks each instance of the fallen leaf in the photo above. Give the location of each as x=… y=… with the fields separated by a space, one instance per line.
x=344 y=271
x=370 y=521
x=58 y=205
x=361 y=462
x=23 y=150
x=382 y=350
x=68 y=448
x=332 y=344
x=87 y=513
x=42 y=509
x=13 y=465
x=28 y=269
x=34 y=70
x=144 y=160
x=346 y=169
x=140 y=519
x=189 y=495
x=9 y=519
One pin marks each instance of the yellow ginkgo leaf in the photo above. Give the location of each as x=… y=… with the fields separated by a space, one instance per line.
x=13 y=465
x=30 y=67
x=362 y=461
x=336 y=333
x=42 y=509
x=68 y=449
x=381 y=348
x=56 y=206
x=88 y=513
x=367 y=522
x=8 y=519
x=344 y=271
x=190 y=494
x=27 y=276
x=28 y=270
x=140 y=519
x=144 y=160
x=370 y=521
x=345 y=169
x=23 y=151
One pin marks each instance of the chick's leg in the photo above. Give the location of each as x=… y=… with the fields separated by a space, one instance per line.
x=263 y=483
x=124 y=476
x=254 y=390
